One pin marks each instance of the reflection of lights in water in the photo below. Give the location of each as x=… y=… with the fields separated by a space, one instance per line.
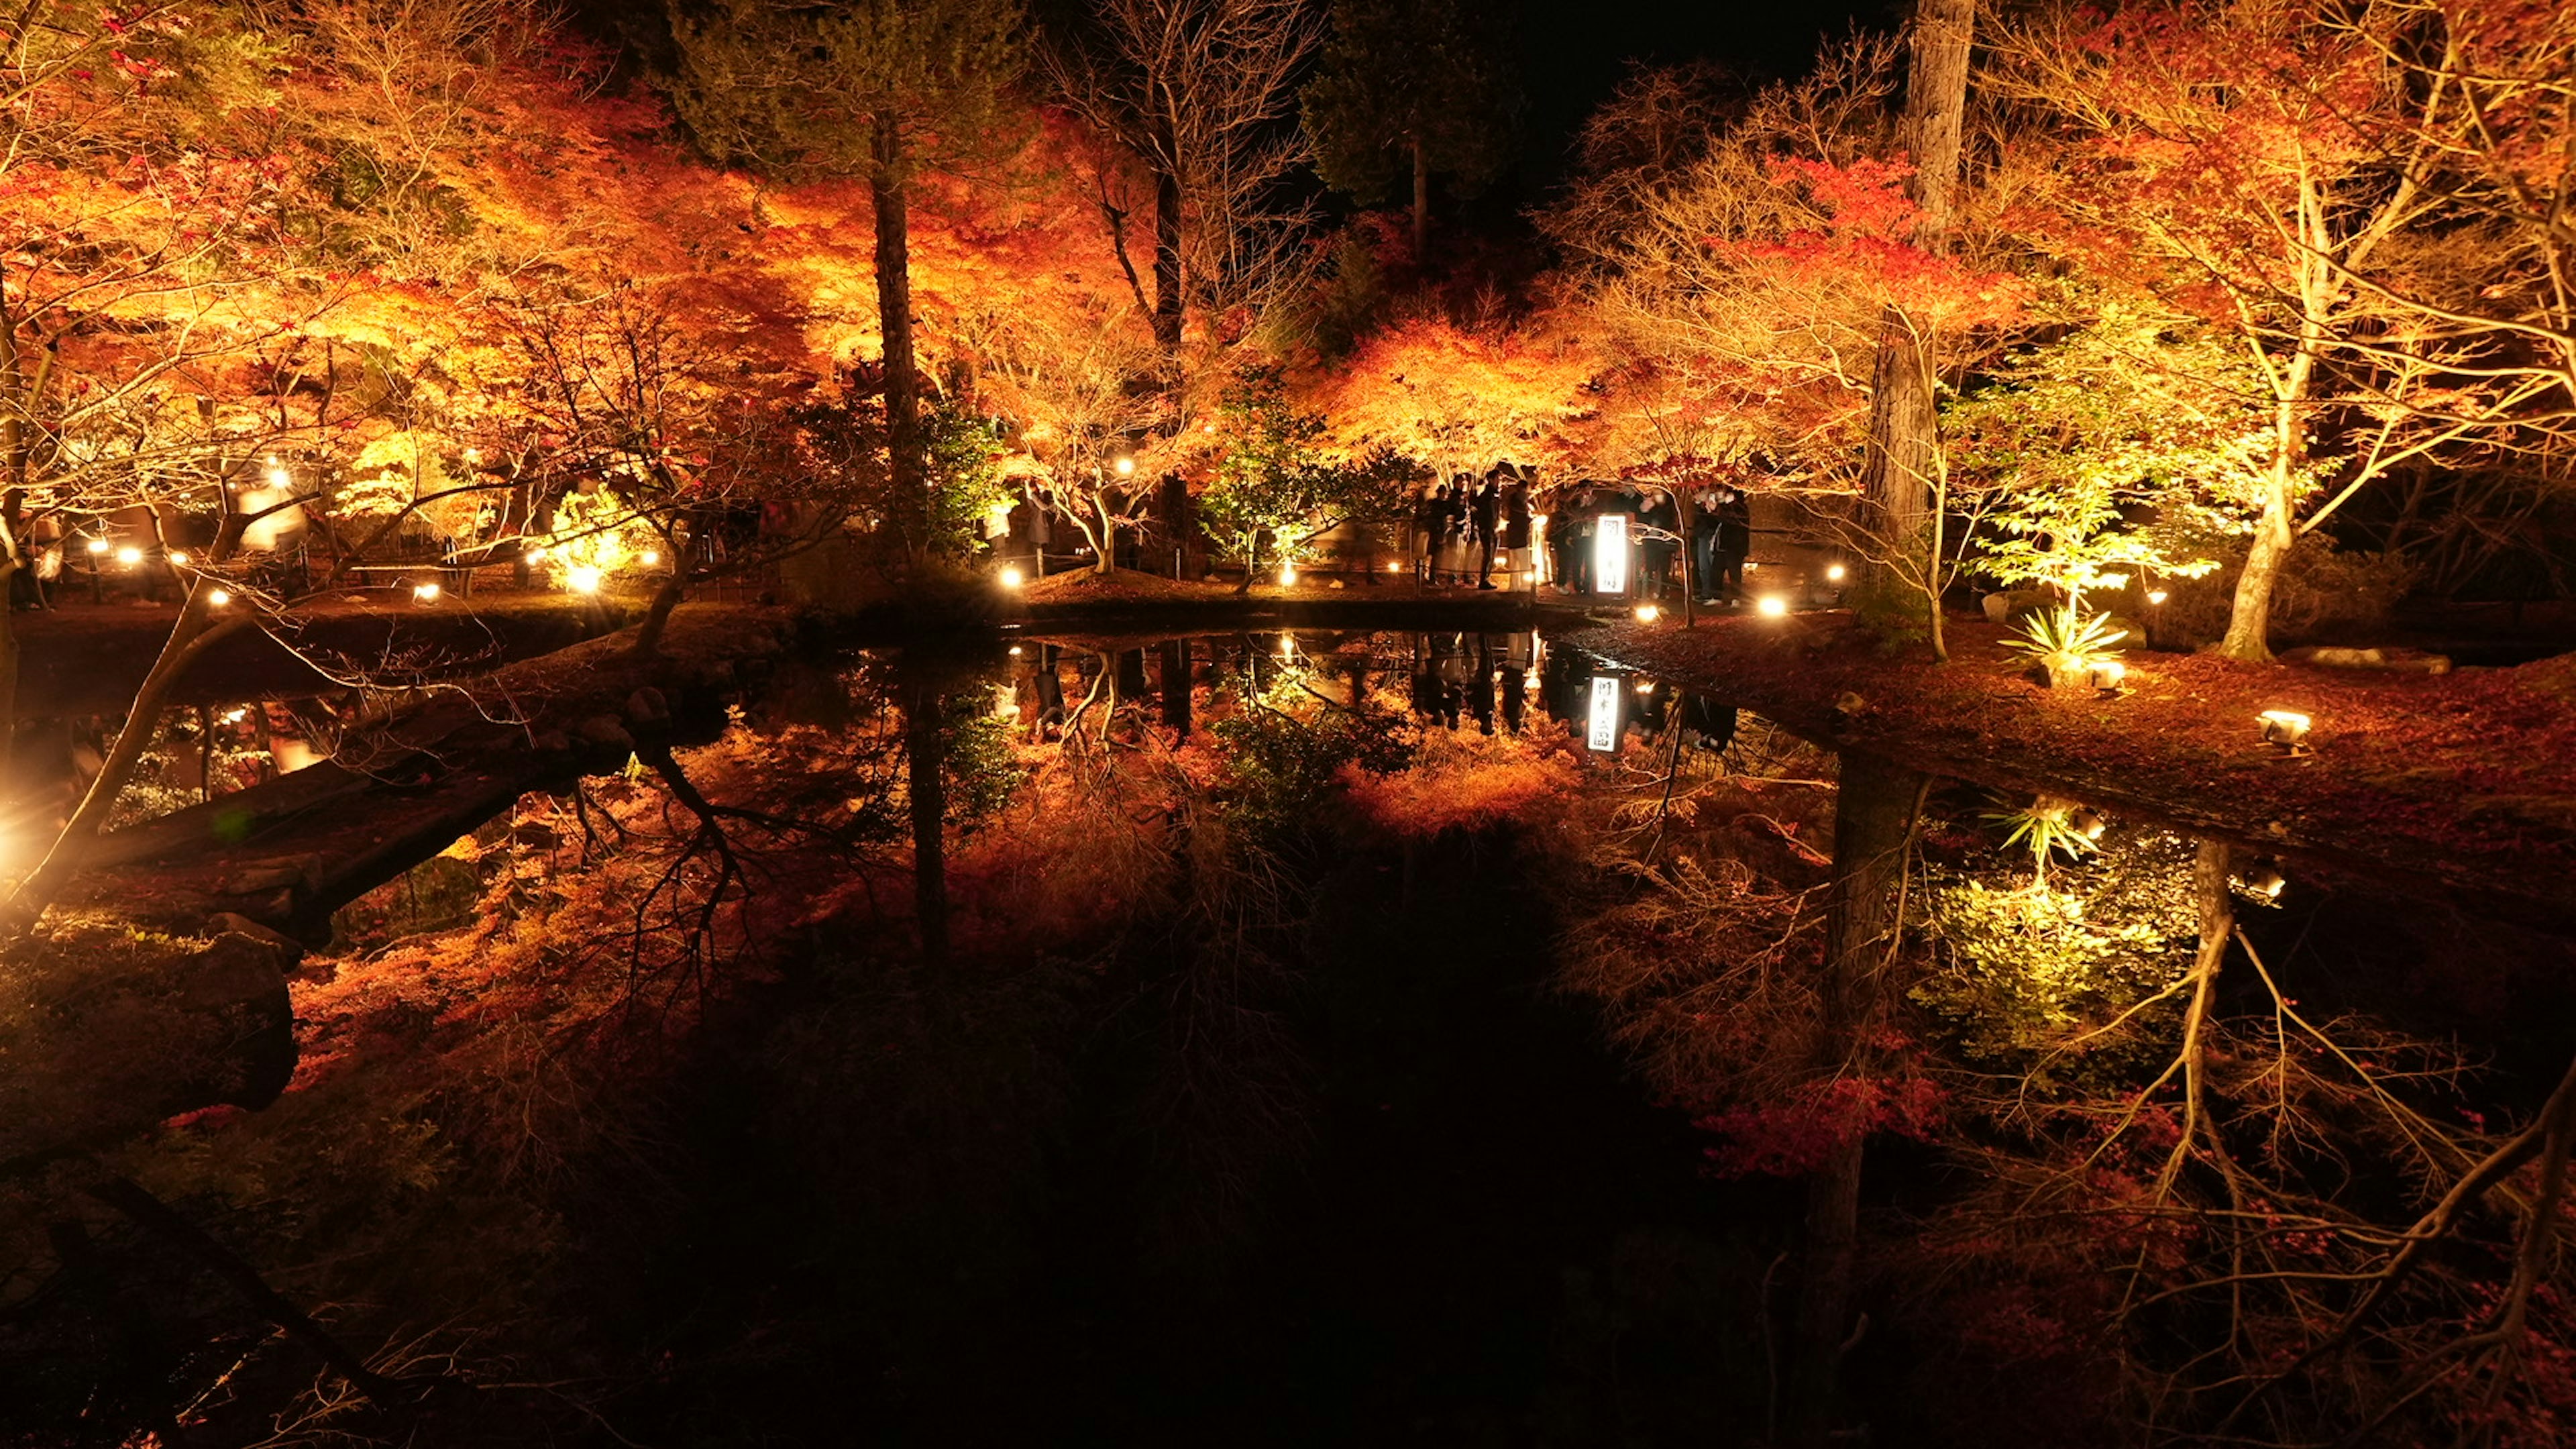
x=1287 y=646
x=1015 y=651
x=1771 y=606
x=1836 y=572
x=1648 y=613
x=2157 y=596
x=425 y=593
x=236 y=716
x=1603 y=733
x=1610 y=554
x=1645 y=686
x=178 y=558
x=584 y=580
x=129 y=555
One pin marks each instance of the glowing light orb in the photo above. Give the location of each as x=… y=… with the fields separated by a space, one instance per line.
x=2156 y=596
x=218 y=597
x=425 y=593
x=129 y=555
x=98 y=545
x=1648 y=613
x=279 y=478
x=1772 y=606
x=537 y=554
x=649 y=558
x=1012 y=578
x=1836 y=572
x=178 y=559
x=236 y=716
x=2285 y=727
x=1126 y=467
x=1645 y=686
x=584 y=580
x=1287 y=573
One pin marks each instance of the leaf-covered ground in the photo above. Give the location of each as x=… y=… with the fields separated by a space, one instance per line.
x=2464 y=784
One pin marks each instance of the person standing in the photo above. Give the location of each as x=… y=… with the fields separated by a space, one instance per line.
x=1426 y=522
x=1734 y=542
x=1580 y=520
x=1486 y=514
x=1516 y=525
x=1660 y=524
x=1703 y=546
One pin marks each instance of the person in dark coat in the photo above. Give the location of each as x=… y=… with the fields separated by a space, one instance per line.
x=1734 y=541
x=1485 y=512
x=1576 y=522
x=1655 y=554
x=1426 y=521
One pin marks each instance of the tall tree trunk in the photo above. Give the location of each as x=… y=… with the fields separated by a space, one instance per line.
x=1904 y=434
x=1421 y=203
x=1167 y=267
x=904 y=459
x=1874 y=814
x=926 y=789
x=2249 y=616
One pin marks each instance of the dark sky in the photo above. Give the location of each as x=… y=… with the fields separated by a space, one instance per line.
x=1574 y=51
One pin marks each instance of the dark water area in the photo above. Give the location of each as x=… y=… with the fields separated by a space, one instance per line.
x=1338 y=1111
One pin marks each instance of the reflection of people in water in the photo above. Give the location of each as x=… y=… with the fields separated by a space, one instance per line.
x=1708 y=724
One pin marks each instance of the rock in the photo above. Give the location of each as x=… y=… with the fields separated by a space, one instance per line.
x=647 y=707
x=1851 y=705
x=230 y=923
x=2003 y=608
x=553 y=742
x=606 y=732
x=2392 y=660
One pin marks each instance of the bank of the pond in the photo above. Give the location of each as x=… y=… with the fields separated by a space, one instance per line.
x=2461 y=785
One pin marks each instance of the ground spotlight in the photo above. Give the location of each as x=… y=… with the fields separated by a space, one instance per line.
x=1771 y=606
x=1648 y=613
x=584 y=580
x=425 y=593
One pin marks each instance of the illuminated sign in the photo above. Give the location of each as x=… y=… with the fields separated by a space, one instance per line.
x=1610 y=554
x=1605 y=713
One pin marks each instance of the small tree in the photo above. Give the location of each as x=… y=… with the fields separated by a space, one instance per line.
x=1275 y=486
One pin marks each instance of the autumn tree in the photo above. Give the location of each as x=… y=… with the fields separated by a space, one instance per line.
x=881 y=89
x=1406 y=88
x=2245 y=163
x=1192 y=100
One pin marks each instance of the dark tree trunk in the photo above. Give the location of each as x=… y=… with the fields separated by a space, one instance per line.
x=1904 y=439
x=894 y=312
x=1421 y=204
x=1167 y=265
x=1174 y=682
x=1874 y=816
x=926 y=766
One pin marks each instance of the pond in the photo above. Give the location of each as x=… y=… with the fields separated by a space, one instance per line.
x=1297 y=1037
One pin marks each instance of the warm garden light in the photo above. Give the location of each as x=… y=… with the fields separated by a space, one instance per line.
x=2286 y=728
x=2157 y=596
x=98 y=545
x=650 y=558
x=1015 y=651
x=537 y=554
x=1125 y=467
x=2107 y=674
x=1287 y=573
x=129 y=555
x=1648 y=613
x=236 y=716
x=1645 y=686
x=425 y=593
x=279 y=478
x=178 y=559
x=584 y=580
x=2266 y=881
x=218 y=597
x=1610 y=554
x=1012 y=578
x=1836 y=572
x=1771 y=606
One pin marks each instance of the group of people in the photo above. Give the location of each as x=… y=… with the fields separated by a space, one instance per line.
x=1464 y=532
x=1719 y=537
